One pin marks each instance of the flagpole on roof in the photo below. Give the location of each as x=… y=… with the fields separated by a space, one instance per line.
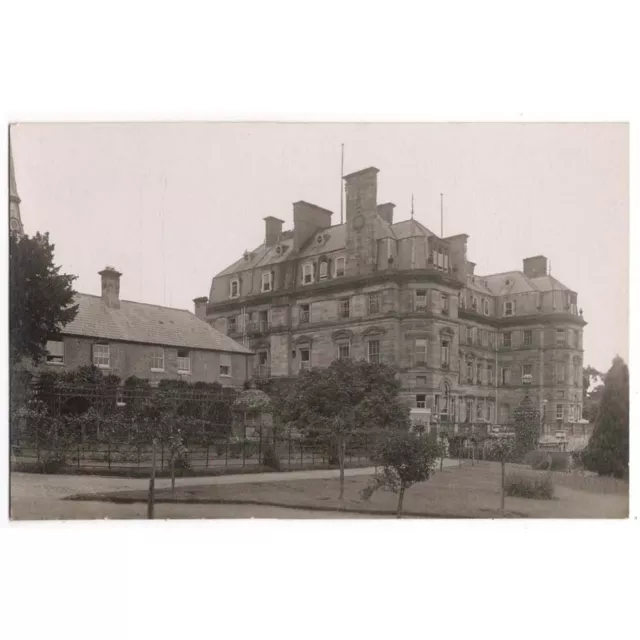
x=441 y=217
x=341 y=187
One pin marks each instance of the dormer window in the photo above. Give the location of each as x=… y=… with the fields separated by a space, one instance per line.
x=234 y=288
x=509 y=308
x=324 y=270
x=266 y=281
x=485 y=307
x=307 y=273
x=340 y=267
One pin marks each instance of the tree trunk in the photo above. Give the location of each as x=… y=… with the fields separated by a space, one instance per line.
x=152 y=481
x=341 y=456
x=502 y=465
x=400 y=499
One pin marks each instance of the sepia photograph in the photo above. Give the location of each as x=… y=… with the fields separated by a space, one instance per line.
x=215 y=320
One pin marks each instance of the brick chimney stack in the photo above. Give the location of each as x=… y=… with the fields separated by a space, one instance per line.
x=200 y=307
x=273 y=230
x=535 y=267
x=385 y=211
x=111 y=287
x=361 y=220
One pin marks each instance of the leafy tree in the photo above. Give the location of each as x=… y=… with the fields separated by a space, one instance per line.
x=344 y=401
x=406 y=458
x=591 y=399
x=40 y=297
x=526 y=423
x=608 y=450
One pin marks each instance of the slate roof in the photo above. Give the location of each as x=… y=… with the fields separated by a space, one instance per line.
x=410 y=229
x=147 y=324
x=519 y=283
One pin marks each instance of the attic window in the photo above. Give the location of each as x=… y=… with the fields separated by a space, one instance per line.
x=324 y=268
x=339 y=267
x=234 y=288
x=266 y=281
x=509 y=308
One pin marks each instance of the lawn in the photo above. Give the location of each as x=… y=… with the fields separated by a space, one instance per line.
x=456 y=492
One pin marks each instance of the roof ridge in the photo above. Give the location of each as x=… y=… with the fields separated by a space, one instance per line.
x=147 y=304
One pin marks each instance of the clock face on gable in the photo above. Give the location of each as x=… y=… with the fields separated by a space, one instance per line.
x=14 y=225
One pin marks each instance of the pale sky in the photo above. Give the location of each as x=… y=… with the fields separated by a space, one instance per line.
x=171 y=205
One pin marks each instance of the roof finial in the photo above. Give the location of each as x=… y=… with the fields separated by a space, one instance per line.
x=412 y=206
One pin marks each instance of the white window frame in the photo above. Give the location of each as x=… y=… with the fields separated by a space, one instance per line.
x=101 y=356
x=225 y=365
x=184 y=360
x=377 y=359
x=302 y=312
x=344 y=303
x=157 y=359
x=378 y=297
x=266 y=282
x=232 y=325
x=509 y=305
x=444 y=301
x=55 y=352
x=489 y=373
x=307 y=273
x=339 y=272
x=446 y=262
x=341 y=345
x=504 y=341
x=324 y=270
x=562 y=334
x=421 y=344
x=527 y=378
x=485 y=307
x=469 y=371
x=421 y=404
x=445 y=356
x=559 y=412
x=235 y=281
x=526 y=343
x=420 y=293
x=305 y=365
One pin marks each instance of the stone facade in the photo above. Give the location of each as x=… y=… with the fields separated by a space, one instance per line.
x=468 y=348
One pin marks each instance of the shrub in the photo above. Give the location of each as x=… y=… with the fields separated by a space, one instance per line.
x=520 y=486
x=270 y=458
x=541 y=460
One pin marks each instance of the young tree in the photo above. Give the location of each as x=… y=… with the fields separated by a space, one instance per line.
x=608 y=450
x=343 y=399
x=406 y=458
x=502 y=450
x=40 y=297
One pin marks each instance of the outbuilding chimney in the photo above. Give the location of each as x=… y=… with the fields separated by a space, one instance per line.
x=272 y=229
x=200 y=307
x=110 y=287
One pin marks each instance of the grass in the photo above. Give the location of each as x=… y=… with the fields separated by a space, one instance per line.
x=456 y=492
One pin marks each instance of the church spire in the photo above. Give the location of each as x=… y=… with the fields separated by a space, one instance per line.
x=15 y=221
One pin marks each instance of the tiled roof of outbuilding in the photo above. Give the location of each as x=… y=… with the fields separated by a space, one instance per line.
x=147 y=324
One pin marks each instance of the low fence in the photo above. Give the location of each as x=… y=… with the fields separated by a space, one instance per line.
x=202 y=455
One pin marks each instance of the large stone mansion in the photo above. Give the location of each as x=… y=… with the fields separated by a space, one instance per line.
x=468 y=347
